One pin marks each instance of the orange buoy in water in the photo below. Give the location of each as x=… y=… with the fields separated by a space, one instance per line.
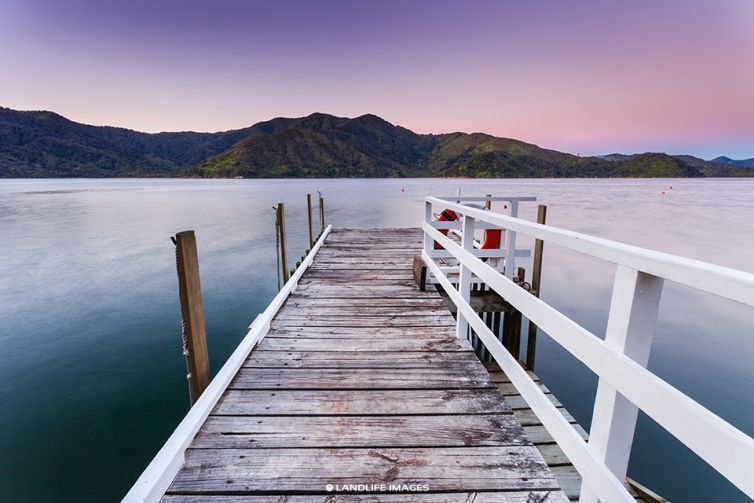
x=445 y=216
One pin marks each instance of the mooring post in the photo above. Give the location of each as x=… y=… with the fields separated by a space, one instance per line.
x=321 y=212
x=283 y=247
x=192 y=312
x=488 y=202
x=536 y=278
x=311 y=233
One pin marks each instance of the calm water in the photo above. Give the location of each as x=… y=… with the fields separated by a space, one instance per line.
x=92 y=379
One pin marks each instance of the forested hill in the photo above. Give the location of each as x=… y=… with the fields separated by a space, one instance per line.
x=45 y=144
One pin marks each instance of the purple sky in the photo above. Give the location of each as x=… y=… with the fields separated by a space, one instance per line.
x=585 y=77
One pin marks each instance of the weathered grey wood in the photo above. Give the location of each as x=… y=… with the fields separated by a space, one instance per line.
x=364 y=292
x=243 y=432
x=366 y=321
x=296 y=301
x=361 y=380
x=280 y=471
x=499 y=376
x=527 y=417
x=363 y=344
x=360 y=359
x=507 y=388
x=463 y=497
x=422 y=378
x=411 y=318
x=365 y=311
x=322 y=211
x=283 y=244
x=551 y=452
x=355 y=274
x=356 y=402
x=192 y=312
x=338 y=281
x=516 y=402
x=358 y=332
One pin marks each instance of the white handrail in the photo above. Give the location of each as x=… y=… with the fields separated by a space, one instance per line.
x=156 y=478
x=621 y=368
x=568 y=438
x=722 y=281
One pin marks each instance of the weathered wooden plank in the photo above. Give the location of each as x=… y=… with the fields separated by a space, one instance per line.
x=280 y=471
x=368 y=290
x=296 y=301
x=340 y=281
x=365 y=321
x=431 y=315
x=539 y=435
x=463 y=497
x=517 y=402
x=360 y=359
x=364 y=311
x=357 y=402
x=502 y=378
x=423 y=378
x=243 y=432
x=364 y=344
x=361 y=265
x=362 y=332
x=379 y=291
x=553 y=455
x=507 y=388
x=527 y=417
x=355 y=253
x=364 y=246
x=384 y=260
x=355 y=274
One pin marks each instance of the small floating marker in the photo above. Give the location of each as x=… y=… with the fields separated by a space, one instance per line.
x=505 y=206
x=663 y=193
x=670 y=187
x=403 y=190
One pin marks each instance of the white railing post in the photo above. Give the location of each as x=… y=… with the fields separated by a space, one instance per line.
x=428 y=245
x=464 y=276
x=510 y=248
x=630 y=330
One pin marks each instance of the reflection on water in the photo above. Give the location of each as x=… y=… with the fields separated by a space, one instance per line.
x=92 y=379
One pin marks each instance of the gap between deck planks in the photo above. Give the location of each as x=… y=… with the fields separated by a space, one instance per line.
x=361 y=380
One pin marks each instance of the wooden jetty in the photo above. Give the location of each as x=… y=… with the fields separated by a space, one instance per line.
x=356 y=384
x=362 y=381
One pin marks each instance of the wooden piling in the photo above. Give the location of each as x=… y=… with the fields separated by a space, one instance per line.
x=536 y=277
x=283 y=247
x=311 y=233
x=322 y=212
x=192 y=312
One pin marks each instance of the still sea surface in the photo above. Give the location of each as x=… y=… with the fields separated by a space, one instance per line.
x=93 y=381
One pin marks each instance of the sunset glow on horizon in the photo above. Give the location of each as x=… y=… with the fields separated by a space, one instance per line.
x=588 y=77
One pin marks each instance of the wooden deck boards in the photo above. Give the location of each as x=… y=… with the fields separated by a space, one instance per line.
x=561 y=466
x=362 y=381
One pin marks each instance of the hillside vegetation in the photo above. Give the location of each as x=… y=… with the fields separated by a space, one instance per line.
x=44 y=144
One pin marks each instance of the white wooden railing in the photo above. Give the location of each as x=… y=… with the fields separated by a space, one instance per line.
x=156 y=478
x=625 y=385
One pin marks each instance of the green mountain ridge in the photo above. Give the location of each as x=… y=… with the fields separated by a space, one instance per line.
x=45 y=144
x=744 y=163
